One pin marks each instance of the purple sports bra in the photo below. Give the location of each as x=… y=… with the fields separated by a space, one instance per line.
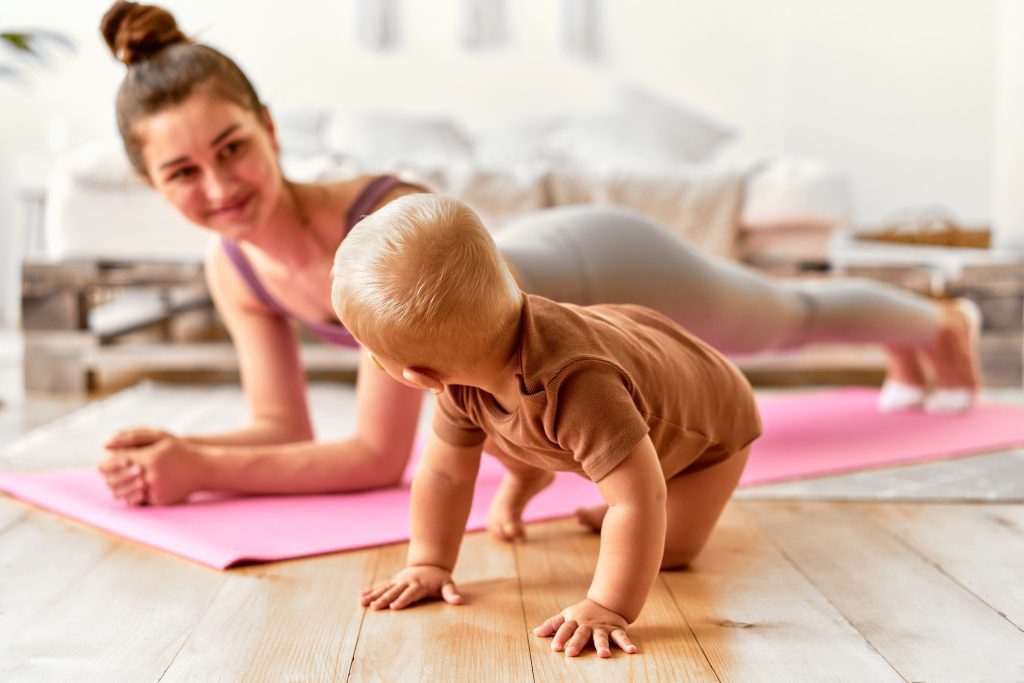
x=331 y=333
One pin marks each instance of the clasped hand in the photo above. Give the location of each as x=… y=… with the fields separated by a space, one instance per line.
x=148 y=466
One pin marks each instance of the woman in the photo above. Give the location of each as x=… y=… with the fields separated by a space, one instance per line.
x=195 y=130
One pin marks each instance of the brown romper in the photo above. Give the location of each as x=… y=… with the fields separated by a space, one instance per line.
x=594 y=380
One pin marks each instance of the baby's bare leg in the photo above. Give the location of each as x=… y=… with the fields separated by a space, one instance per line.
x=520 y=485
x=695 y=501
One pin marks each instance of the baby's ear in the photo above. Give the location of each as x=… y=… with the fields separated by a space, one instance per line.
x=426 y=378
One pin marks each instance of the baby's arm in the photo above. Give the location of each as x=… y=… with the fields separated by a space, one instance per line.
x=633 y=533
x=442 y=492
x=632 y=544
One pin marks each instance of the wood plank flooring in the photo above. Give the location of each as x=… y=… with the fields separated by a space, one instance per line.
x=817 y=590
x=784 y=591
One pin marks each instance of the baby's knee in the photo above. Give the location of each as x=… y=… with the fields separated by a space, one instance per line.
x=680 y=558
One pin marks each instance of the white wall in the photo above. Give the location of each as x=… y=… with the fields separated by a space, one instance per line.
x=901 y=95
x=1008 y=173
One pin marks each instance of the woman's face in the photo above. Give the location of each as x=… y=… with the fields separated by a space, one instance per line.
x=214 y=161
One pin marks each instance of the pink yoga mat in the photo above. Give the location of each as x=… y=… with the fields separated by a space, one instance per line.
x=806 y=435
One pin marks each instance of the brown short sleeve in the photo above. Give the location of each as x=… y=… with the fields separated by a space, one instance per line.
x=451 y=422
x=596 y=417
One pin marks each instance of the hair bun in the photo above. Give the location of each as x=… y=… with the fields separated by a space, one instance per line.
x=135 y=32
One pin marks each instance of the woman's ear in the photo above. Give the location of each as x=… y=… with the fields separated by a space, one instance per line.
x=268 y=124
x=425 y=378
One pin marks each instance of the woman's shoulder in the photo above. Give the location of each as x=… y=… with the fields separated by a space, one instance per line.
x=343 y=193
x=226 y=279
x=370 y=192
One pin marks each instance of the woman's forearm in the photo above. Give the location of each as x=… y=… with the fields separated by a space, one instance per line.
x=256 y=434
x=294 y=468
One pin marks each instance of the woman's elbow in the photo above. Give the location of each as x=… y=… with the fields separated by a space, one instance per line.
x=384 y=466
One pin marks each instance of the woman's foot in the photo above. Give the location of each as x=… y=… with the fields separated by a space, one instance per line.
x=505 y=518
x=953 y=357
x=905 y=382
x=592 y=516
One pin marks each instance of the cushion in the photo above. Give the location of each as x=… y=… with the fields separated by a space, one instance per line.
x=793 y=192
x=383 y=140
x=301 y=131
x=521 y=143
x=638 y=129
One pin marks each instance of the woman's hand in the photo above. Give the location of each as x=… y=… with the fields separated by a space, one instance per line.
x=411 y=585
x=151 y=467
x=124 y=478
x=137 y=437
x=575 y=626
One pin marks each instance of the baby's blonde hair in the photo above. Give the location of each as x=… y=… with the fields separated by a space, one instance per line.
x=421 y=282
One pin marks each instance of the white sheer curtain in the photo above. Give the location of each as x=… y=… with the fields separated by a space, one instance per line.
x=583 y=31
x=483 y=23
x=376 y=24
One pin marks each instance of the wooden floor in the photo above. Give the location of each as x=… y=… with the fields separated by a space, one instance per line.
x=786 y=590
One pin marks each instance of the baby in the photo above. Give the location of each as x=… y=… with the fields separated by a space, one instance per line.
x=617 y=393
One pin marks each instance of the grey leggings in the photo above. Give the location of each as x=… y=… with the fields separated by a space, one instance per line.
x=599 y=254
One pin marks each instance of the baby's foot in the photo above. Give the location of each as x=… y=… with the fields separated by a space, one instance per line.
x=592 y=517
x=505 y=519
x=953 y=356
x=905 y=382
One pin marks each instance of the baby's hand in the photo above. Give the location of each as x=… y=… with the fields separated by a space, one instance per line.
x=410 y=585
x=576 y=625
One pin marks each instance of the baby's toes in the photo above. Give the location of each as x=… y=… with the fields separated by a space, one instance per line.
x=513 y=531
x=505 y=527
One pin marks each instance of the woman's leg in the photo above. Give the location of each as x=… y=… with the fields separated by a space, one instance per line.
x=590 y=255
x=595 y=254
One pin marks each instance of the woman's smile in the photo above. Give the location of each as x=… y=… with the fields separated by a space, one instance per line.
x=234 y=210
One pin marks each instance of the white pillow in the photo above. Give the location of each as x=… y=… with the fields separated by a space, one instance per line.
x=524 y=142
x=389 y=140
x=300 y=130
x=796 y=192
x=688 y=133
x=638 y=130
x=499 y=194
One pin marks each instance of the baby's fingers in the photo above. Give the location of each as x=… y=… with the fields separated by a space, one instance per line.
x=549 y=627
x=389 y=596
x=451 y=594
x=370 y=594
x=563 y=635
x=411 y=594
x=578 y=641
x=601 y=643
x=623 y=641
